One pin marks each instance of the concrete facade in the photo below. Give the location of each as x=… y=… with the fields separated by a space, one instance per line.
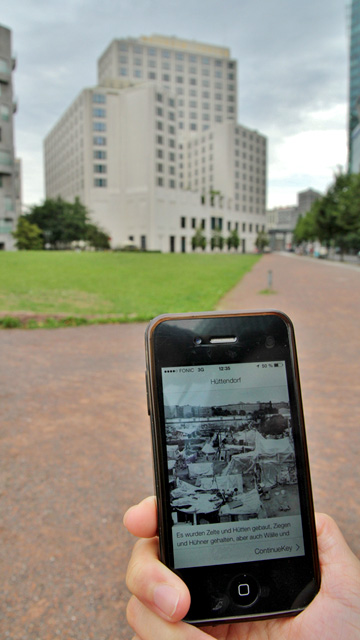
x=127 y=148
x=10 y=188
x=203 y=77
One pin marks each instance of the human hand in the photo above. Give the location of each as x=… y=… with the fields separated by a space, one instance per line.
x=160 y=599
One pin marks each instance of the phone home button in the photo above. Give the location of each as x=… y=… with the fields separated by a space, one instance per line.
x=244 y=590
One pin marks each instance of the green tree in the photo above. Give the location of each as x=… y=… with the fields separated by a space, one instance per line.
x=96 y=237
x=261 y=241
x=305 y=229
x=28 y=236
x=217 y=240
x=198 y=240
x=63 y=222
x=233 y=240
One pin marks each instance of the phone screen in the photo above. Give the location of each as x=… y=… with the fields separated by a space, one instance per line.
x=231 y=462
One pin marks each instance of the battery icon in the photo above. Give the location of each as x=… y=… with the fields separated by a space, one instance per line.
x=278 y=364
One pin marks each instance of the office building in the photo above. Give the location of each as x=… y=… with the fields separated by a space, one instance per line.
x=151 y=160
x=306 y=199
x=354 y=75
x=201 y=76
x=9 y=167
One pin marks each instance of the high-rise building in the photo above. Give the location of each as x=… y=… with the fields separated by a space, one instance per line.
x=354 y=76
x=155 y=158
x=201 y=76
x=9 y=167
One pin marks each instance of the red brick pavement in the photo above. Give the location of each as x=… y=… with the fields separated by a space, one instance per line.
x=75 y=447
x=323 y=301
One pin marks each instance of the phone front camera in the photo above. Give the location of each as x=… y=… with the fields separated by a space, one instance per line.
x=270 y=342
x=197 y=341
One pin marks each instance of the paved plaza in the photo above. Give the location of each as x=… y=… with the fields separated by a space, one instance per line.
x=75 y=446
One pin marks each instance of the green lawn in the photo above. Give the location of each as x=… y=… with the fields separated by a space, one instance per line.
x=126 y=285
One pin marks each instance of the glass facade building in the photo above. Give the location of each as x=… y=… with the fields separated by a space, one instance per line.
x=354 y=87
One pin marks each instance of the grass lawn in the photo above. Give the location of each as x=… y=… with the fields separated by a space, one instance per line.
x=127 y=286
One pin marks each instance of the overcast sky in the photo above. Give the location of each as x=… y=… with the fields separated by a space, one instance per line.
x=292 y=72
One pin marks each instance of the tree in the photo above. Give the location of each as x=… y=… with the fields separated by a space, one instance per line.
x=64 y=222
x=28 y=236
x=233 y=240
x=198 y=240
x=334 y=219
x=96 y=237
x=305 y=229
x=217 y=240
x=261 y=241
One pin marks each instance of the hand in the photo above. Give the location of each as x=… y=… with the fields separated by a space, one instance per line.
x=160 y=599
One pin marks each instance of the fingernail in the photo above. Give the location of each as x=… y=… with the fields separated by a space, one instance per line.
x=166 y=599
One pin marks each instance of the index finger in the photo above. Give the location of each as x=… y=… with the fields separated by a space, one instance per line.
x=141 y=519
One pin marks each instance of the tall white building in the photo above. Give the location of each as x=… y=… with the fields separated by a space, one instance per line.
x=203 y=77
x=155 y=157
x=9 y=166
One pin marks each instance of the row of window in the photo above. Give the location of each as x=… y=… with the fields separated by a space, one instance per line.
x=167 y=54
x=216 y=224
x=152 y=64
x=137 y=73
x=160 y=181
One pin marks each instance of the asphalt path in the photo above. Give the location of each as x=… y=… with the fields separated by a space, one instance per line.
x=75 y=446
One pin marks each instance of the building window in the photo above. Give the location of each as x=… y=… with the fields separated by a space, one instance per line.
x=99 y=140
x=172 y=184
x=99 y=98
x=99 y=112
x=152 y=75
x=193 y=223
x=5 y=157
x=160 y=181
x=99 y=154
x=159 y=167
x=99 y=168
x=183 y=222
x=4 y=112
x=100 y=182
x=123 y=71
x=99 y=126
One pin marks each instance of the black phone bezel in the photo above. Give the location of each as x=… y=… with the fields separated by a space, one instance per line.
x=289 y=583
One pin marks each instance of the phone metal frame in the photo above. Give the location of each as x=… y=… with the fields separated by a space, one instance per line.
x=161 y=474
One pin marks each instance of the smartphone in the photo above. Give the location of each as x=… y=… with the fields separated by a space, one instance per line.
x=235 y=508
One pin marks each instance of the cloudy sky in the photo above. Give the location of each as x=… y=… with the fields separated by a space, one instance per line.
x=292 y=72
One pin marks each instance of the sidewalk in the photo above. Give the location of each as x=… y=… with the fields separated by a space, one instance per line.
x=323 y=300
x=76 y=447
